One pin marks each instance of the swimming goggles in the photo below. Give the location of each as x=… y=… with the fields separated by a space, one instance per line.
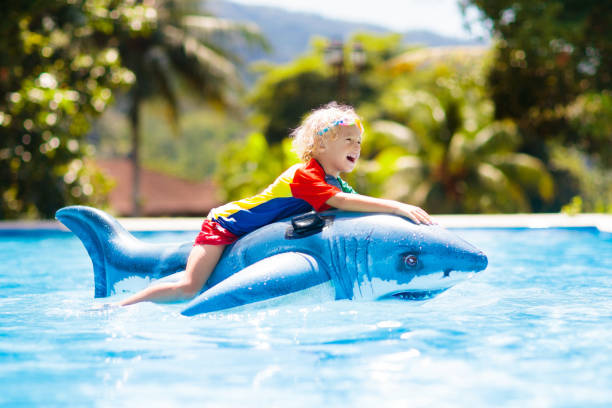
x=343 y=122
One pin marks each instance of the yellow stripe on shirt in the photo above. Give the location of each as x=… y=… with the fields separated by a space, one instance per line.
x=279 y=188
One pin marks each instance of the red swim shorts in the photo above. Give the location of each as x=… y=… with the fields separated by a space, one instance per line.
x=214 y=234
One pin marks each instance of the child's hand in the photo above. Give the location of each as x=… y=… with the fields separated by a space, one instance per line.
x=416 y=214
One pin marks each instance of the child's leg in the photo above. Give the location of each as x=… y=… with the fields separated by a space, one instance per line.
x=202 y=261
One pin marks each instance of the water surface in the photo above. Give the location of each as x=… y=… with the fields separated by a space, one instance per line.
x=534 y=329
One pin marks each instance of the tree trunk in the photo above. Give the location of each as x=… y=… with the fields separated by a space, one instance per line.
x=135 y=157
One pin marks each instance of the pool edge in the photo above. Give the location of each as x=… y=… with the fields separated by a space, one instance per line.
x=603 y=222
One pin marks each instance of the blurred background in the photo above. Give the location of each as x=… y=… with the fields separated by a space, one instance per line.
x=168 y=107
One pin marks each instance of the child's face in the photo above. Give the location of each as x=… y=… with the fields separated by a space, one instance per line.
x=340 y=154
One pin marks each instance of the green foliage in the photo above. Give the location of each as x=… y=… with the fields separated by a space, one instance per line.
x=180 y=48
x=194 y=154
x=285 y=93
x=594 y=181
x=446 y=152
x=183 y=47
x=573 y=207
x=431 y=137
x=551 y=58
x=247 y=167
x=548 y=52
x=588 y=170
x=590 y=123
x=58 y=65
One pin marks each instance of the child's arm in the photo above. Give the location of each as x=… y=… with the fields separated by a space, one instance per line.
x=362 y=203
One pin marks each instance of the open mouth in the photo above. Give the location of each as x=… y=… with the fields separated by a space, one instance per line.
x=352 y=159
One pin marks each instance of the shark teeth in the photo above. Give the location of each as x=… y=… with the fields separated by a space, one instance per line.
x=417 y=294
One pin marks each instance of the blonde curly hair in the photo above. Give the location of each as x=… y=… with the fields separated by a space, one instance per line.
x=318 y=127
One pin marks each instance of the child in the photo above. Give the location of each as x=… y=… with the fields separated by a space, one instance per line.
x=329 y=143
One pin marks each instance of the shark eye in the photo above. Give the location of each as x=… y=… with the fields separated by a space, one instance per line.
x=411 y=260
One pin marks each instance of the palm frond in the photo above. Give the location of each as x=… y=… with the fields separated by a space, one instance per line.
x=208 y=26
x=409 y=163
x=526 y=170
x=420 y=194
x=500 y=188
x=401 y=134
x=492 y=177
x=161 y=71
x=208 y=59
x=500 y=136
x=459 y=151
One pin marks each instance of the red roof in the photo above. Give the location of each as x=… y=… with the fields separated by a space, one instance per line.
x=161 y=194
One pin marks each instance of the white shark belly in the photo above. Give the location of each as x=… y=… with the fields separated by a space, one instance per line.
x=377 y=288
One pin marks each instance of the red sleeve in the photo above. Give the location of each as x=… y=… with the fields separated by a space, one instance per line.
x=309 y=185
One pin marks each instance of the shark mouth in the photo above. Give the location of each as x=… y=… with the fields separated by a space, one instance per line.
x=424 y=287
x=415 y=294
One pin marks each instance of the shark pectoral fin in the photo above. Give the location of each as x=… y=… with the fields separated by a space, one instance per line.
x=271 y=277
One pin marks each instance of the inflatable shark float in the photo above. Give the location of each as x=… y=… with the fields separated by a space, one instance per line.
x=354 y=255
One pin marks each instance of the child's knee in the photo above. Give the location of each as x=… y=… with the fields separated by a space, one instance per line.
x=188 y=289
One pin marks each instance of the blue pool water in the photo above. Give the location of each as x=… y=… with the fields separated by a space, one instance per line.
x=534 y=329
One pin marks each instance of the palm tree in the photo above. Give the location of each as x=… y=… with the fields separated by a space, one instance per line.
x=438 y=146
x=185 y=47
x=467 y=172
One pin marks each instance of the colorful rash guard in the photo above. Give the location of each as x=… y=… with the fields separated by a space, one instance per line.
x=299 y=189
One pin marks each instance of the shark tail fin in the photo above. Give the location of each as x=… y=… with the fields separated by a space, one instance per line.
x=96 y=230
